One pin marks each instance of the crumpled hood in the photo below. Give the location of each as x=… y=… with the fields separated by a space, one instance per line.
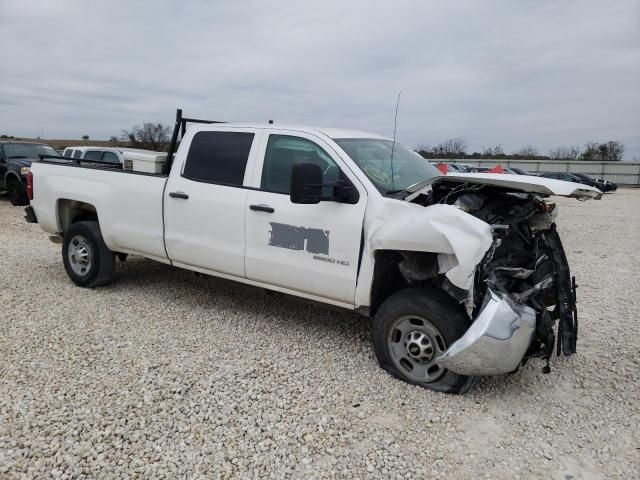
x=525 y=183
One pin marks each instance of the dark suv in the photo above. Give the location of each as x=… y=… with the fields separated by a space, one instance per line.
x=15 y=164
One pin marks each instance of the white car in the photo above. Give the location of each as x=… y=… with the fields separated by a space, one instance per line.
x=458 y=272
x=113 y=155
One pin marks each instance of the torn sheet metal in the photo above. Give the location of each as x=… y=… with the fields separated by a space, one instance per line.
x=460 y=239
x=497 y=340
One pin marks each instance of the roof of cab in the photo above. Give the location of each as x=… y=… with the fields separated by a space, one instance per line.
x=335 y=133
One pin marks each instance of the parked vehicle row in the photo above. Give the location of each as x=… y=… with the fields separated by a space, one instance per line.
x=601 y=184
x=16 y=158
x=463 y=274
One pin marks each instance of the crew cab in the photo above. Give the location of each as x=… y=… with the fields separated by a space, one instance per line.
x=464 y=274
x=15 y=164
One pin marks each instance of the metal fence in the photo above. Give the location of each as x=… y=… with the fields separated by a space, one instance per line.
x=623 y=173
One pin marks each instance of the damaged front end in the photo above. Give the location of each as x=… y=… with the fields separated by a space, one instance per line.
x=521 y=289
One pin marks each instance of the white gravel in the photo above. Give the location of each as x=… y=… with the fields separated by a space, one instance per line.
x=166 y=375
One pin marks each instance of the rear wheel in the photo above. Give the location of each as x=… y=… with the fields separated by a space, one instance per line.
x=412 y=329
x=16 y=192
x=87 y=260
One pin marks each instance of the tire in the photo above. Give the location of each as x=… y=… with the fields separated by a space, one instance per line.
x=411 y=329
x=17 y=192
x=87 y=260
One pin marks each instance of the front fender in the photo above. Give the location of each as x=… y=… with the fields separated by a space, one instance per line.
x=460 y=240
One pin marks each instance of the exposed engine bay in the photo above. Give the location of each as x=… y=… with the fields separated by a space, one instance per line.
x=521 y=287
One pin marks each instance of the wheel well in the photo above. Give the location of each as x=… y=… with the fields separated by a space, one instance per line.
x=11 y=177
x=396 y=270
x=72 y=211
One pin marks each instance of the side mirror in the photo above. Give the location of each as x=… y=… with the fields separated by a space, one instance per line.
x=306 y=183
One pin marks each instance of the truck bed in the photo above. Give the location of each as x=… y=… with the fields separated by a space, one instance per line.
x=128 y=203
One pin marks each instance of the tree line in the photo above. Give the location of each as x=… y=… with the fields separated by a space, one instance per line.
x=610 y=151
x=156 y=136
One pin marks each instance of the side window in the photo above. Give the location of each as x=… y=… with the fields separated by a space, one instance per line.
x=93 y=155
x=67 y=152
x=110 y=157
x=77 y=153
x=218 y=157
x=282 y=152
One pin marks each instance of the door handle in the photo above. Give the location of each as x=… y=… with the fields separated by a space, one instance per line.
x=262 y=208
x=182 y=195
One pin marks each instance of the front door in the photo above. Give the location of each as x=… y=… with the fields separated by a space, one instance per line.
x=205 y=202
x=311 y=249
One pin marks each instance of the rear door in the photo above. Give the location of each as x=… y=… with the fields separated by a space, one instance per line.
x=311 y=249
x=205 y=200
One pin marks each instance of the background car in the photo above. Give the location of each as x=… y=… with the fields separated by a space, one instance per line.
x=458 y=167
x=103 y=154
x=15 y=165
x=520 y=171
x=570 y=177
x=604 y=185
x=474 y=169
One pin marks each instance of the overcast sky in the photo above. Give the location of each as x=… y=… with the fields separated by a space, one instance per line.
x=546 y=73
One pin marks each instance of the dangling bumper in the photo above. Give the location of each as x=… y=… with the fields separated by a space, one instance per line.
x=496 y=342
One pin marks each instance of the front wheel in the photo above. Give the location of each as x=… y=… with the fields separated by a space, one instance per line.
x=87 y=260
x=412 y=329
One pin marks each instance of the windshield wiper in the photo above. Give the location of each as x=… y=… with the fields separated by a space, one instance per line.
x=17 y=156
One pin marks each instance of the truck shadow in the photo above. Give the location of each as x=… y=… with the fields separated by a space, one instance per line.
x=184 y=289
x=348 y=333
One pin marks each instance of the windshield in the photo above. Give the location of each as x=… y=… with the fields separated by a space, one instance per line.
x=28 y=150
x=373 y=156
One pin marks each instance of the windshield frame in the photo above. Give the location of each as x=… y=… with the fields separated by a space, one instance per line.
x=401 y=155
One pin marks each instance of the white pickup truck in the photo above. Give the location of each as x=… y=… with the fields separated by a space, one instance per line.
x=464 y=275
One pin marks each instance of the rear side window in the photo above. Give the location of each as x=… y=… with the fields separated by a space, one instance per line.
x=93 y=155
x=110 y=157
x=218 y=157
x=77 y=154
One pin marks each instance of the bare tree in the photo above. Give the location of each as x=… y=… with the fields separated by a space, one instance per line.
x=152 y=136
x=564 y=153
x=528 y=151
x=494 y=152
x=85 y=137
x=113 y=139
x=453 y=147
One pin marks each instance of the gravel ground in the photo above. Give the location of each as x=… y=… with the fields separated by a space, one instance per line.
x=164 y=374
